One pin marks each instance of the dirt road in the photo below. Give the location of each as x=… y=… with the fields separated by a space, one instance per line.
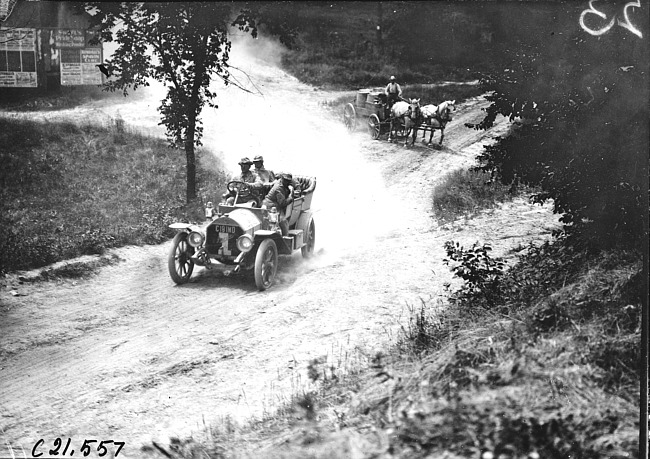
x=128 y=356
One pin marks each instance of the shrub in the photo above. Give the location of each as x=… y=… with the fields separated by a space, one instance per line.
x=482 y=274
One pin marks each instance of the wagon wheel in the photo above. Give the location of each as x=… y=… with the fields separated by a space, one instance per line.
x=374 y=126
x=350 y=117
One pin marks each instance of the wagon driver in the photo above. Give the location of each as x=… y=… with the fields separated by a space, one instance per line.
x=393 y=91
x=248 y=177
x=280 y=196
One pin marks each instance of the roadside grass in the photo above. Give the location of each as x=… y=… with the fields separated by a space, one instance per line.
x=549 y=373
x=357 y=70
x=25 y=100
x=77 y=269
x=466 y=192
x=335 y=45
x=71 y=189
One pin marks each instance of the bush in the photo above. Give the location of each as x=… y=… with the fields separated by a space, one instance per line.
x=481 y=273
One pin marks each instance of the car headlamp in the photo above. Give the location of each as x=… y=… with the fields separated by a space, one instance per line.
x=245 y=242
x=195 y=239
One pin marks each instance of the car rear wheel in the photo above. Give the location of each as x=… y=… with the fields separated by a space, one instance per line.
x=266 y=264
x=179 y=262
x=308 y=249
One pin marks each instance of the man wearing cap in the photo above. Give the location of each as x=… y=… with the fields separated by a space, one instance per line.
x=393 y=91
x=266 y=176
x=248 y=177
x=280 y=196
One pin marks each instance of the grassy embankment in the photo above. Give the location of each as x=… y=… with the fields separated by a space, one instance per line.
x=68 y=190
x=28 y=100
x=535 y=361
x=336 y=46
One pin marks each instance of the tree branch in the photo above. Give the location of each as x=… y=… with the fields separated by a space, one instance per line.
x=259 y=92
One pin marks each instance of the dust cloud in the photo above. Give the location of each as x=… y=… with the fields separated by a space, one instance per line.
x=282 y=120
x=269 y=112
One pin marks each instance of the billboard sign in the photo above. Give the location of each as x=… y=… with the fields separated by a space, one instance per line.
x=79 y=66
x=18 y=58
x=70 y=38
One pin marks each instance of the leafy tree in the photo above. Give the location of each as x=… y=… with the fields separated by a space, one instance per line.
x=580 y=105
x=181 y=44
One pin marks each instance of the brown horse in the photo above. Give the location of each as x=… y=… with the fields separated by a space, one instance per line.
x=407 y=116
x=437 y=117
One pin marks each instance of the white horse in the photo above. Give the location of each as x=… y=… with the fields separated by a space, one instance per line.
x=437 y=117
x=407 y=115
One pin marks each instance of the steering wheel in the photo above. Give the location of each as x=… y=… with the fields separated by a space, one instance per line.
x=237 y=185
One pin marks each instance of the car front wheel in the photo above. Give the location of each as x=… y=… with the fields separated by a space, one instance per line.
x=179 y=262
x=266 y=264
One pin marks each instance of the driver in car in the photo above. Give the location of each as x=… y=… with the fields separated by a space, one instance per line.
x=247 y=176
x=280 y=196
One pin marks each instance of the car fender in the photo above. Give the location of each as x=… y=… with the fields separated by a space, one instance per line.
x=260 y=235
x=187 y=227
x=283 y=248
x=304 y=220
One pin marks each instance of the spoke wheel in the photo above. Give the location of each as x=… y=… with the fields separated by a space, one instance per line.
x=179 y=262
x=374 y=126
x=266 y=264
x=308 y=249
x=350 y=117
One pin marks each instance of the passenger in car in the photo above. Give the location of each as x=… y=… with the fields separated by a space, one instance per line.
x=266 y=176
x=280 y=196
x=247 y=176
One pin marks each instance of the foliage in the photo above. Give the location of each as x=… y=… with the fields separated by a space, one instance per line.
x=336 y=44
x=181 y=44
x=274 y=18
x=482 y=273
x=71 y=190
x=581 y=106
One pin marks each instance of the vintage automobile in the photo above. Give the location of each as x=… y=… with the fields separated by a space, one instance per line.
x=245 y=237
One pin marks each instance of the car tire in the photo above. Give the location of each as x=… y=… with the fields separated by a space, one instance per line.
x=179 y=263
x=266 y=264
x=307 y=250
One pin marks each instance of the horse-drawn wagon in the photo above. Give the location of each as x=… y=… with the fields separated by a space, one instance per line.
x=400 y=119
x=372 y=106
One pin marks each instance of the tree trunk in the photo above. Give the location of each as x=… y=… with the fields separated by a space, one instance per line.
x=191 y=162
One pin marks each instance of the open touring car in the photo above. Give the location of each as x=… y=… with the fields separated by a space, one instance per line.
x=245 y=237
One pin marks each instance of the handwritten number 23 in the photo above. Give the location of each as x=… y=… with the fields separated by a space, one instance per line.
x=626 y=24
